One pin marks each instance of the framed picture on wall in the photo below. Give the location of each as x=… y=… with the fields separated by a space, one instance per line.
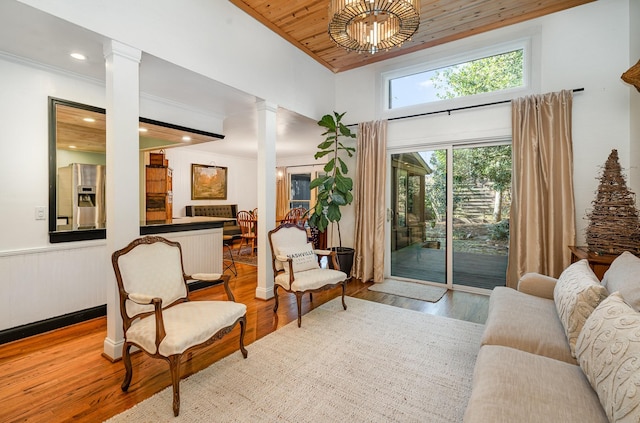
x=208 y=182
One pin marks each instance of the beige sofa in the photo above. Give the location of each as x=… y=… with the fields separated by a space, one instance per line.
x=554 y=349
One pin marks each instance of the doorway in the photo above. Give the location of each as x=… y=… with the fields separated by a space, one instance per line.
x=449 y=215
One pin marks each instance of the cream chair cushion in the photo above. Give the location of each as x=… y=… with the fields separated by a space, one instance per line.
x=577 y=292
x=302 y=257
x=311 y=279
x=624 y=276
x=156 y=270
x=186 y=324
x=608 y=351
x=289 y=237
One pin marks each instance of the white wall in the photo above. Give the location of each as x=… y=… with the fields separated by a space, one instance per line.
x=42 y=280
x=241 y=173
x=24 y=147
x=583 y=47
x=212 y=38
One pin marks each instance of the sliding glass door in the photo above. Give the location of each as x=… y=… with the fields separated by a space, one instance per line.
x=419 y=215
x=449 y=215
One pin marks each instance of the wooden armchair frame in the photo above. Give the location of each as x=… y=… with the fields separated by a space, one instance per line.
x=278 y=262
x=142 y=299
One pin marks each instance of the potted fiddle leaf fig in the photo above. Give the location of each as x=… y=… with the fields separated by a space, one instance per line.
x=334 y=186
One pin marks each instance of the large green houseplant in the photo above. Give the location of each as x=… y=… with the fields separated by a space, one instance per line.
x=334 y=186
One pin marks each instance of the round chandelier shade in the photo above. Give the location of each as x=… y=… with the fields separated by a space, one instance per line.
x=372 y=25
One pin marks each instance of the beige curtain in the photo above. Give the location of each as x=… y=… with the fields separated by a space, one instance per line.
x=369 y=202
x=542 y=224
x=282 y=192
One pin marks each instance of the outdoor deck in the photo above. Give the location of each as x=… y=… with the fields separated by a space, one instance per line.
x=470 y=269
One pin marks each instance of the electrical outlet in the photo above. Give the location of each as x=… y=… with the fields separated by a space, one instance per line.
x=41 y=213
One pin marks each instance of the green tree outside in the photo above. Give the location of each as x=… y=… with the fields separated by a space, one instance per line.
x=484 y=75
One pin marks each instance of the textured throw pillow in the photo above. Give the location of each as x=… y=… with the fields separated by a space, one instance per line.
x=608 y=351
x=303 y=258
x=624 y=276
x=576 y=294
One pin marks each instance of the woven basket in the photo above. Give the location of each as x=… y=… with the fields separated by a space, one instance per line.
x=632 y=76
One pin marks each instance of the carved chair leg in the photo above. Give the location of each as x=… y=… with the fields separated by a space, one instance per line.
x=299 y=301
x=243 y=327
x=344 y=287
x=174 y=364
x=126 y=359
x=275 y=294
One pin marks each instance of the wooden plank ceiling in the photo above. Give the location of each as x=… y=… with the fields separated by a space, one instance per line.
x=83 y=130
x=304 y=23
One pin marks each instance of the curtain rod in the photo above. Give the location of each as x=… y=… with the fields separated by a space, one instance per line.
x=448 y=111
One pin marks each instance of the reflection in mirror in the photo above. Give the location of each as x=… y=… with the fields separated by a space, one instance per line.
x=77 y=163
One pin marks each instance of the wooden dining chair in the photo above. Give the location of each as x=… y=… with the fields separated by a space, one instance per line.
x=297 y=216
x=248 y=233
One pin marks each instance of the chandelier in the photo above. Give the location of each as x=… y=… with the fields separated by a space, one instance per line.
x=373 y=25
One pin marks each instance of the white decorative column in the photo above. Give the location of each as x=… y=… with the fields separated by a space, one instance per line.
x=266 y=194
x=123 y=170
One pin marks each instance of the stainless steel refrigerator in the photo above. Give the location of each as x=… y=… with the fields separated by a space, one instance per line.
x=81 y=197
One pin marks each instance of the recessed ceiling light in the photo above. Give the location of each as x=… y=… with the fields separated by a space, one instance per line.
x=78 y=56
x=186 y=138
x=142 y=129
x=89 y=120
x=72 y=146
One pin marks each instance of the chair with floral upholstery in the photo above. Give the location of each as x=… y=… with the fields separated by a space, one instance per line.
x=296 y=266
x=158 y=316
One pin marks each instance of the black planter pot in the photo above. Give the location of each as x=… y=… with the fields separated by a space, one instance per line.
x=345 y=259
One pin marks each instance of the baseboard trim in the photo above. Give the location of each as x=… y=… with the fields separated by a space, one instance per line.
x=42 y=326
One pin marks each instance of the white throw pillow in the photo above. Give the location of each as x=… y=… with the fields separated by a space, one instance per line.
x=303 y=258
x=576 y=294
x=624 y=276
x=608 y=350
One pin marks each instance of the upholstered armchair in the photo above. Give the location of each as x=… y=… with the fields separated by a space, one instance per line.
x=296 y=266
x=157 y=315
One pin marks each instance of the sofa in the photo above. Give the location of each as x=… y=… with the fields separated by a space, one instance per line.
x=230 y=211
x=562 y=350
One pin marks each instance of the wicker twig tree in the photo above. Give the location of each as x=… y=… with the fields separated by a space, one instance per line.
x=614 y=225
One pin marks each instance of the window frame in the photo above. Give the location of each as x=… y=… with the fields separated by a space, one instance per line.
x=530 y=80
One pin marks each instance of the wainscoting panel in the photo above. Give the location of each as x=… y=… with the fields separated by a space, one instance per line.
x=38 y=284
x=201 y=250
x=44 y=283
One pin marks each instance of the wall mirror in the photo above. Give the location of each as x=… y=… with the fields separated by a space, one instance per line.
x=77 y=165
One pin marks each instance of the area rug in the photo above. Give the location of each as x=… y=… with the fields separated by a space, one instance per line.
x=417 y=291
x=369 y=363
x=244 y=256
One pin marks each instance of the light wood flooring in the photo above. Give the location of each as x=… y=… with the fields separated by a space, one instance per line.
x=61 y=376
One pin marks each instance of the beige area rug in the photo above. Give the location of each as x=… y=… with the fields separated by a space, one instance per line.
x=370 y=363
x=417 y=291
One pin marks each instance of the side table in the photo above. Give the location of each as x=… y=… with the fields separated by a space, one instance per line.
x=599 y=263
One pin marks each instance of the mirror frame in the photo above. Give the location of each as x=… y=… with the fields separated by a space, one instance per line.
x=56 y=236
